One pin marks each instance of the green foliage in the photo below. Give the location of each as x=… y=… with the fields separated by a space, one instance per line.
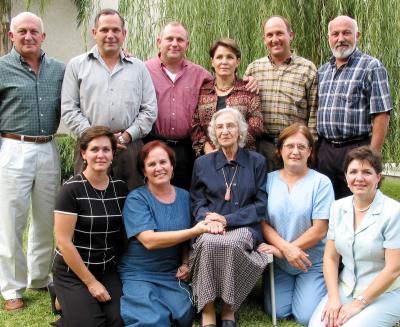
x=66 y=145
x=208 y=20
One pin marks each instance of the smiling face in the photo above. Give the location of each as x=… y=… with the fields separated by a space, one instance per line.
x=158 y=167
x=109 y=34
x=173 y=43
x=342 y=37
x=277 y=39
x=295 y=151
x=362 y=178
x=227 y=130
x=224 y=61
x=27 y=36
x=99 y=154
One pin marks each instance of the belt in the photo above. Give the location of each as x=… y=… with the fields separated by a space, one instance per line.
x=170 y=142
x=26 y=138
x=343 y=142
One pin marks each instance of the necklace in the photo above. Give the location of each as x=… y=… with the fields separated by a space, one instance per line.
x=361 y=210
x=224 y=89
x=229 y=186
x=102 y=193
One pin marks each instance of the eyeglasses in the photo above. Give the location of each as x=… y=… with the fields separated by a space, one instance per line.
x=300 y=147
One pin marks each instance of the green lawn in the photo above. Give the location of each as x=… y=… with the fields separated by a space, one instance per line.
x=37 y=312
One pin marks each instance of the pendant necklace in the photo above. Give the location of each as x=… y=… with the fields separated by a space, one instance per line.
x=229 y=186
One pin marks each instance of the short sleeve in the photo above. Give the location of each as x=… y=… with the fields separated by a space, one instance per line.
x=331 y=230
x=138 y=214
x=67 y=199
x=324 y=196
x=391 y=232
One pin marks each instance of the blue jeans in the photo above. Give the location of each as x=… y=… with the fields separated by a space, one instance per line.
x=295 y=294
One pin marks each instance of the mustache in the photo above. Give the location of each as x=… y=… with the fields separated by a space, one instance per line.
x=341 y=43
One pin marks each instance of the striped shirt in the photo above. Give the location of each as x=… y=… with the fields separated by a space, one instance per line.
x=99 y=219
x=288 y=92
x=349 y=95
x=30 y=104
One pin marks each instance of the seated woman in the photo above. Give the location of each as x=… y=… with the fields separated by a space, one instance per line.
x=364 y=232
x=88 y=220
x=299 y=199
x=157 y=222
x=228 y=192
x=227 y=90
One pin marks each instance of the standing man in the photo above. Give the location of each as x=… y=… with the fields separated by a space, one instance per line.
x=354 y=102
x=177 y=82
x=30 y=87
x=105 y=87
x=287 y=84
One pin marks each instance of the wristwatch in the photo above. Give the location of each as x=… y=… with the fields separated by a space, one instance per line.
x=362 y=299
x=121 y=140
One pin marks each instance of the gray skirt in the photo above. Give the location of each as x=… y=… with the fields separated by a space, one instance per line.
x=226 y=267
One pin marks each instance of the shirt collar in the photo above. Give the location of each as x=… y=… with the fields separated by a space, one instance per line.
x=220 y=160
x=161 y=64
x=21 y=59
x=376 y=206
x=238 y=86
x=94 y=53
x=287 y=61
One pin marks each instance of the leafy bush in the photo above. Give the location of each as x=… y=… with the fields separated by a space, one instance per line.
x=66 y=146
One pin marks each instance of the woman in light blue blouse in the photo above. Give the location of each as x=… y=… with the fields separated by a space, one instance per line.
x=295 y=228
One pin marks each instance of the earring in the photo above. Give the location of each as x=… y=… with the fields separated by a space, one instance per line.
x=144 y=179
x=84 y=162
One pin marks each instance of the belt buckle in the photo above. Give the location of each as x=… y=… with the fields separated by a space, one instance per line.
x=174 y=142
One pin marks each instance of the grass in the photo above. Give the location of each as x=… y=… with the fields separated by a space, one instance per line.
x=37 y=312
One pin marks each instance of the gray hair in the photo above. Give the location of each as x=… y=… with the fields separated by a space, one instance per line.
x=355 y=25
x=239 y=120
x=25 y=14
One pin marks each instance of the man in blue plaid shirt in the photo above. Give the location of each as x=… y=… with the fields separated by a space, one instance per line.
x=354 y=102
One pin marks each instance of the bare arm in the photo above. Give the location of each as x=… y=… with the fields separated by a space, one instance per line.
x=380 y=124
x=64 y=225
x=152 y=240
x=313 y=235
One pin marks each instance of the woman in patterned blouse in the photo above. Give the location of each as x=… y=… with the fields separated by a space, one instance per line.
x=226 y=90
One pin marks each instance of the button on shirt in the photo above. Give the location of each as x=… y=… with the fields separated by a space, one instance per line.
x=248 y=200
x=363 y=250
x=176 y=100
x=349 y=95
x=30 y=104
x=288 y=92
x=122 y=99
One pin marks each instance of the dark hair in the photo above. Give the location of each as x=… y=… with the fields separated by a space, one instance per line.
x=289 y=28
x=148 y=147
x=94 y=132
x=367 y=154
x=289 y=131
x=108 y=11
x=227 y=43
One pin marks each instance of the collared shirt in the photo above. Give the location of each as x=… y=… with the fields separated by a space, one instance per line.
x=288 y=92
x=122 y=99
x=30 y=104
x=248 y=103
x=176 y=100
x=248 y=198
x=350 y=94
x=363 y=250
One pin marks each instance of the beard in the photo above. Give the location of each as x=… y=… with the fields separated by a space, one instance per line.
x=342 y=54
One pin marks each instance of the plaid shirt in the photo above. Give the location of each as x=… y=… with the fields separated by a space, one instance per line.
x=30 y=105
x=288 y=92
x=348 y=96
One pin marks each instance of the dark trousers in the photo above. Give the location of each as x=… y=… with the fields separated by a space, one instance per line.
x=185 y=157
x=124 y=165
x=330 y=163
x=267 y=149
x=79 y=307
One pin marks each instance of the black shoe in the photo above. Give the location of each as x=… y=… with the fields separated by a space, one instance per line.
x=50 y=289
x=228 y=323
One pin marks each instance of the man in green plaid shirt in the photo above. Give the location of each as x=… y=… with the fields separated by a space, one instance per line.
x=30 y=90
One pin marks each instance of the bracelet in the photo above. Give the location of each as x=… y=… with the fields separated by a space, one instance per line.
x=362 y=300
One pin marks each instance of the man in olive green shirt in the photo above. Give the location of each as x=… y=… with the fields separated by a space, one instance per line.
x=30 y=89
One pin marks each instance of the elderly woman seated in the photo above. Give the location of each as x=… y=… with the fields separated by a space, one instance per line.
x=364 y=232
x=228 y=192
